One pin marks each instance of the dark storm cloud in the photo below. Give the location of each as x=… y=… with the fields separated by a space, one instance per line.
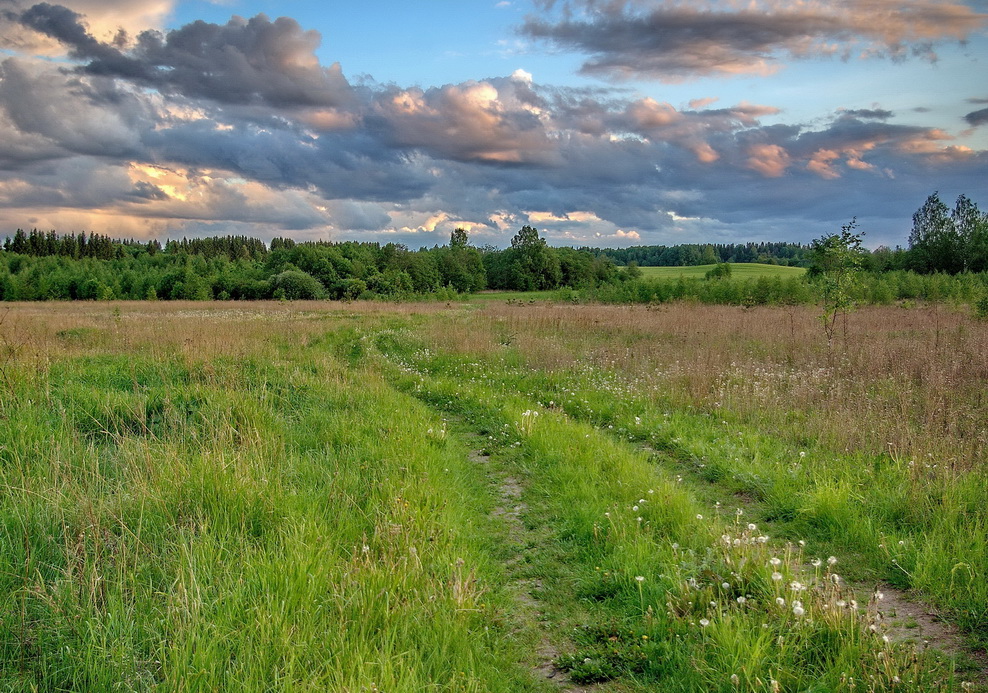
x=673 y=41
x=241 y=62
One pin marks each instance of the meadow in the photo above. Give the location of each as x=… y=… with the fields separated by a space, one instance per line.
x=491 y=496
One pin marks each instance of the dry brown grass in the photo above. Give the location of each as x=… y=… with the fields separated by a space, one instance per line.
x=908 y=381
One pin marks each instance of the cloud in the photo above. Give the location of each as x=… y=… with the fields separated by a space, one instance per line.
x=770 y=160
x=111 y=21
x=673 y=41
x=245 y=61
x=131 y=137
x=976 y=118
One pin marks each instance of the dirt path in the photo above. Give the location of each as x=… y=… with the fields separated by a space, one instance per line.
x=509 y=510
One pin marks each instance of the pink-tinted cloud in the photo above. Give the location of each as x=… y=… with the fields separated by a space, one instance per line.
x=770 y=160
x=672 y=41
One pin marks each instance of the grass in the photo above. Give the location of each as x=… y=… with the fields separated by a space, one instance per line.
x=739 y=270
x=293 y=497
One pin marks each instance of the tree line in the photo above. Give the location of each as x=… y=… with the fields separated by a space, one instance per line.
x=48 y=266
x=695 y=254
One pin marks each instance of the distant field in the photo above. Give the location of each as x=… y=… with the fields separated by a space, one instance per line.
x=512 y=296
x=738 y=271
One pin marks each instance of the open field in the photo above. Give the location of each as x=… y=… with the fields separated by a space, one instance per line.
x=491 y=497
x=739 y=270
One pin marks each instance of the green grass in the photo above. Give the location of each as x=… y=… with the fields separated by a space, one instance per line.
x=300 y=505
x=739 y=270
x=516 y=296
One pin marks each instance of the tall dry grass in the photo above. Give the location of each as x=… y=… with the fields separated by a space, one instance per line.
x=910 y=382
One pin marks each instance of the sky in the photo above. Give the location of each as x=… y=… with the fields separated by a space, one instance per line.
x=604 y=123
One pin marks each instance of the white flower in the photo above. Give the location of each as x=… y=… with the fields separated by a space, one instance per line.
x=776 y=576
x=780 y=601
x=752 y=526
x=699 y=517
x=640 y=578
x=816 y=562
x=635 y=508
x=798 y=611
x=704 y=622
x=741 y=600
x=832 y=560
x=774 y=561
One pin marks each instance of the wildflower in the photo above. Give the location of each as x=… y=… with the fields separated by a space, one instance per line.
x=640 y=578
x=365 y=548
x=742 y=600
x=635 y=508
x=816 y=562
x=835 y=578
x=798 y=611
x=832 y=560
x=796 y=586
x=699 y=517
x=774 y=561
x=752 y=526
x=776 y=576
x=735 y=680
x=704 y=622
x=726 y=585
x=780 y=601
x=841 y=603
x=879 y=596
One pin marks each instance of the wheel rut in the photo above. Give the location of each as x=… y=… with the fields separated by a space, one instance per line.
x=522 y=540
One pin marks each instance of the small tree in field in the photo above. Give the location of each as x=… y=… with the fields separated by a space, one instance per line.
x=836 y=262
